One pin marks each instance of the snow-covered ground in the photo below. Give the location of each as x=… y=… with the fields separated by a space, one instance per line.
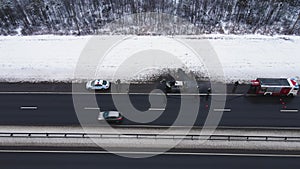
x=54 y=58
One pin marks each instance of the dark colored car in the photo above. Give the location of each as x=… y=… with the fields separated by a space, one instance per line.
x=174 y=86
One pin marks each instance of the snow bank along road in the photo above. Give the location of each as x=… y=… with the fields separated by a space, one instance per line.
x=54 y=58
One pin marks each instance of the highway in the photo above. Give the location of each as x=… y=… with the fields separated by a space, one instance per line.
x=91 y=160
x=58 y=109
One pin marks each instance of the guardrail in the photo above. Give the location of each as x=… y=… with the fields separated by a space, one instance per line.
x=151 y=136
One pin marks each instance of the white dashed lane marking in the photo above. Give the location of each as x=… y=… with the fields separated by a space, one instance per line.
x=92 y=108
x=28 y=108
x=288 y=111
x=222 y=110
x=157 y=109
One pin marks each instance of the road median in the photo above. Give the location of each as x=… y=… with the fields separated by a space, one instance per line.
x=145 y=139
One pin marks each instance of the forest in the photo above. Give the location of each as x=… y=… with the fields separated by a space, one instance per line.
x=163 y=17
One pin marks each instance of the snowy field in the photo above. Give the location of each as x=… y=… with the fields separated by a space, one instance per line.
x=54 y=58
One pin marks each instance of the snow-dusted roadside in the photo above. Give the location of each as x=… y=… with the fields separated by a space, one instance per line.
x=39 y=58
x=54 y=58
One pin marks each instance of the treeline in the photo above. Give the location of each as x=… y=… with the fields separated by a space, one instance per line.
x=82 y=17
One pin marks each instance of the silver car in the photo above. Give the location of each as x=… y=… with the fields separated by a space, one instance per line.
x=110 y=116
x=97 y=85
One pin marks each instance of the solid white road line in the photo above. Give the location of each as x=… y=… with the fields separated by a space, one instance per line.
x=28 y=108
x=221 y=127
x=203 y=94
x=60 y=93
x=289 y=111
x=157 y=109
x=153 y=153
x=91 y=93
x=222 y=110
x=92 y=108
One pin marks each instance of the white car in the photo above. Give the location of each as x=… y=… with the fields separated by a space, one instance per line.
x=97 y=85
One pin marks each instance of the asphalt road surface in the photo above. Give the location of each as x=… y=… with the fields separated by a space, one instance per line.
x=58 y=109
x=107 y=161
x=53 y=104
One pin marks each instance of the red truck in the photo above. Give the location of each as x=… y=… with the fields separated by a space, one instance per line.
x=274 y=86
